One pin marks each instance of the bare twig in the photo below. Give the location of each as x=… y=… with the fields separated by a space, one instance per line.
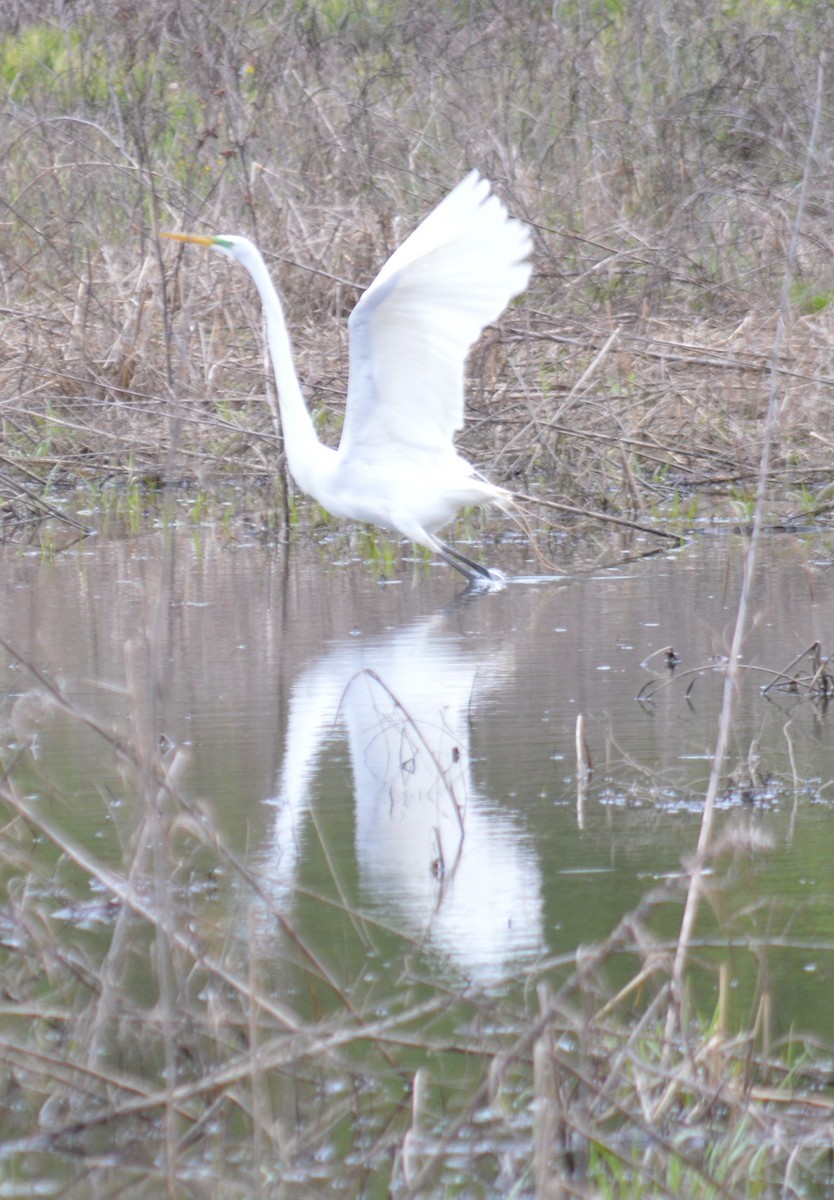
x=734 y=660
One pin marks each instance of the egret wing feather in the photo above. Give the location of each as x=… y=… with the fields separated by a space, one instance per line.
x=447 y=221
x=412 y=329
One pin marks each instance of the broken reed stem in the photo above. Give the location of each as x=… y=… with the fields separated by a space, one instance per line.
x=586 y=376
x=594 y=515
x=154 y=681
x=733 y=666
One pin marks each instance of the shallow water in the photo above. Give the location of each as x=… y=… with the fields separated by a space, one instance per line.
x=410 y=751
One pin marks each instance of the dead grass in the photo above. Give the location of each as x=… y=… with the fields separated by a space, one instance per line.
x=656 y=151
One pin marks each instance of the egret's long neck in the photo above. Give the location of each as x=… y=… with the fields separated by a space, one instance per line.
x=303 y=449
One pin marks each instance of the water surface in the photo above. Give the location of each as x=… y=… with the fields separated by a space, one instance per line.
x=408 y=751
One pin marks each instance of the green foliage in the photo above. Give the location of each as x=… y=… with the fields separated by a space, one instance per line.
x=38 y=58
x=199 y=507
x=47 y=430
x=378 y=550
x=292 y=505
x=356 y=15
x=810 y=298
x=77 y=69
x=682 y=509
x=743 y=500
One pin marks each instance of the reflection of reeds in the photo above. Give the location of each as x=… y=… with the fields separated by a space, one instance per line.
x=146 y=1007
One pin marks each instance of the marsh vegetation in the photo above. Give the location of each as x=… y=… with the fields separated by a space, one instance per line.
x=171 y=1022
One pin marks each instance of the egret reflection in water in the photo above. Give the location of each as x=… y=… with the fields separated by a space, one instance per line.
x=434 y=855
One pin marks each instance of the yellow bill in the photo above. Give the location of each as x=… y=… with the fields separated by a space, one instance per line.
x=197 y=239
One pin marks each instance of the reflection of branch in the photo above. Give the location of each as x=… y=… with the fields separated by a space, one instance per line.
x=652 y=687
x=818 y=686
x=441 y=771
x=124 y=751
x=39 y=502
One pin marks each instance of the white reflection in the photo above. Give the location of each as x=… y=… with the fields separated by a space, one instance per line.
x=453 y=868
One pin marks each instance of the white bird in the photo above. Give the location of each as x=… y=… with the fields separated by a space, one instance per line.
x=410 y=332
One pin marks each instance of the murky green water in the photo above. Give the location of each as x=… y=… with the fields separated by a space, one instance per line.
x=396 y=761
x=417 y=747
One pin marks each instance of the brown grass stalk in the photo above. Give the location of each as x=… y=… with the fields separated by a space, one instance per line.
x=731 y=680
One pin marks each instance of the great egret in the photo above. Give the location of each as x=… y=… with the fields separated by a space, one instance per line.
x=396 y=465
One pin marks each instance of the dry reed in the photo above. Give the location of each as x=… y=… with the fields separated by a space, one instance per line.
x=656 y=151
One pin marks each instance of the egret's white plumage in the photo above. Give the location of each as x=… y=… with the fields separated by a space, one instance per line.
x=396 y=465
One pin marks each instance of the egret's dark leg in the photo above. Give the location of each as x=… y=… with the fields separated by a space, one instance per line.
x=474 y=572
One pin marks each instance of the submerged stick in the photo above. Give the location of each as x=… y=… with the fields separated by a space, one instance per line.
x=594 y=515
x=39 y=502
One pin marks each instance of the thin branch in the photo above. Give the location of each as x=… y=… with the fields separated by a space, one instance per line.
x=733 y=664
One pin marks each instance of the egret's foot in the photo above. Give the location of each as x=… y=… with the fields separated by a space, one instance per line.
x=490 y=580
x=476 y=574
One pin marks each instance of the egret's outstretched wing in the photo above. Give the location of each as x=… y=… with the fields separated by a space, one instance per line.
x=411 y=330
